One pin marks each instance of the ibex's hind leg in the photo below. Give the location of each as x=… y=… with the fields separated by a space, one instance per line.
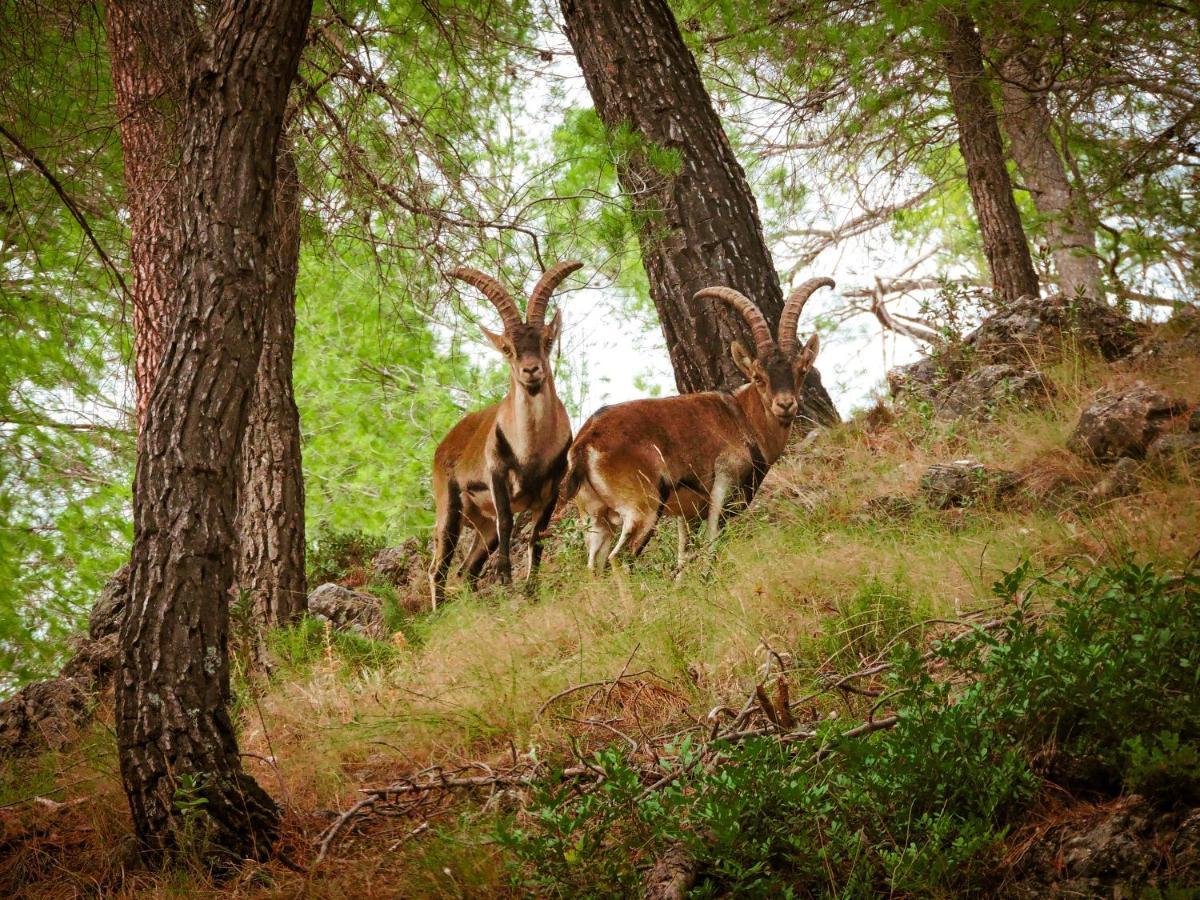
x=599 y=538
x=636 y=530
x=541 y=519
x=541 y=522
x=446 y=531
x=483 y=547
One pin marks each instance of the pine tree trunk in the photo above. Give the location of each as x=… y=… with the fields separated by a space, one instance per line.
x=1004 y=241
x=1067 y=212
x=699 y=222
x=176 y=741
x=270 y=519
x=146 y=43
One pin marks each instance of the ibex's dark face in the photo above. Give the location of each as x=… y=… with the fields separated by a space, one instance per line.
x=777 y=379
x=527 y=348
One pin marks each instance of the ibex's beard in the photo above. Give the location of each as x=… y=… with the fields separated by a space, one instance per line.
x=533 y=388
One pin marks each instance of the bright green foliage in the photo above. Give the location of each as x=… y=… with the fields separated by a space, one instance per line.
x=65 y=445
x=376 y=394
x=1107 y=678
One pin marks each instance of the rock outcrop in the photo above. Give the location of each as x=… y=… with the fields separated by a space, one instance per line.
x=1033 y=326
x=1122 y=424
x=45 y=714
x=965 y=482
x=346 y=609
x=1126 y=849
x=991 y=365
x=980 y=393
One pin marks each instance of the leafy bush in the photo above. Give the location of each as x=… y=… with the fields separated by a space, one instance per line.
x=1105 y=679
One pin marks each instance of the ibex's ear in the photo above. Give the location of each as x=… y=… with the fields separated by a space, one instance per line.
x=742 y=359
x=550 y=333
x=496 y=339
x=807 y=356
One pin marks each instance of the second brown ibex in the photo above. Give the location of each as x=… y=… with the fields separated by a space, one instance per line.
x=688 y=456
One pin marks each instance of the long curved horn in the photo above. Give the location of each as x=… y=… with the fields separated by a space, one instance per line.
x=790 y=317
x=535 y=313
x=750 y=312
x=494 y=291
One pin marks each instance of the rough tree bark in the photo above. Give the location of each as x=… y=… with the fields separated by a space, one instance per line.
x=1004 y=241
x=173 y=725
x=146 y=43
x=1069 y=217
x=699 y=222
x=270 y=518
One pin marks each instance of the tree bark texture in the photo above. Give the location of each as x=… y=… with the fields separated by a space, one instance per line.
x=1004 y=241
x=1068 y=214
x=176 y=741
x=698 y=221
x=147 y=42
x=270 y=517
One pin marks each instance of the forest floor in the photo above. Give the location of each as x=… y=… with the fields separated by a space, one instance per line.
x=819 y=577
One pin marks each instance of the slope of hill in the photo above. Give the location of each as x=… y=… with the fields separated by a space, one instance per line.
x=881 y=677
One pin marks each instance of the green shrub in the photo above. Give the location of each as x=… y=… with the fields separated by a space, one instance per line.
x=333 y=554
x=1105 y=678
x=309 y=642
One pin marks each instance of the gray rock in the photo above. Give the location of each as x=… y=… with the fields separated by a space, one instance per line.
x=45 y=714
x=924 y=380
x=95 y=661
x=1119 y=481
x=965 y=482
x=1183 y=446
x=403 y=565
x=980 y=393
x=1129 y=849
x=1122 y=424
x=1035 y=325
x=1178 y=337
x=109 y=611
x=345 y=608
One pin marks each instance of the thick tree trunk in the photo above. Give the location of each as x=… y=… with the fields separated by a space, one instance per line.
x=270 y=519
x=699 y=223
x=1068 y=214
x=178 y=752
x=146 y=43
x=1004 y=241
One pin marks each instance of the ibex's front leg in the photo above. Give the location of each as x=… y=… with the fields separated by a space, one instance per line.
x=504 y=526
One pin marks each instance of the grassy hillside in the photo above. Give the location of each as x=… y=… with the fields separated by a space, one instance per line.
x=814 y=580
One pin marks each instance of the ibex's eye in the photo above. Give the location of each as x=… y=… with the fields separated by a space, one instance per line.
x=506 y=351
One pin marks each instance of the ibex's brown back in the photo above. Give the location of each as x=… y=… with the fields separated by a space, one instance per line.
x=690 y=456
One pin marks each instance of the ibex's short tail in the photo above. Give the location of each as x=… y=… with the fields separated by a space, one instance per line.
x=576 y=473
